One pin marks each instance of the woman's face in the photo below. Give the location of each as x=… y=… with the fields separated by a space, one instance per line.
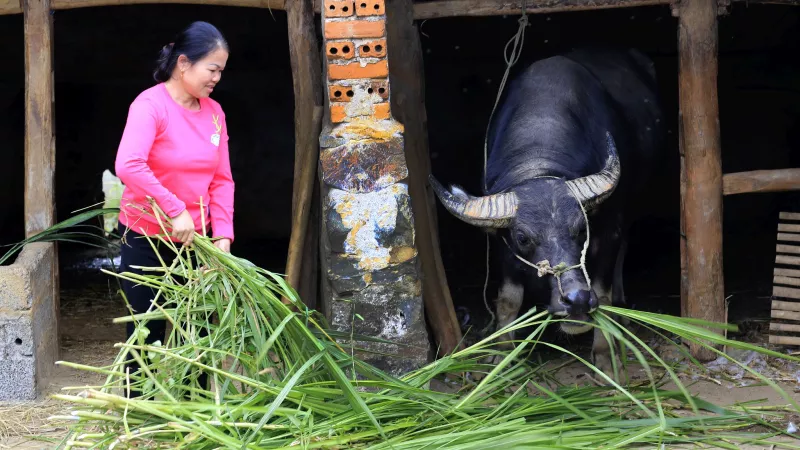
x=200 y=78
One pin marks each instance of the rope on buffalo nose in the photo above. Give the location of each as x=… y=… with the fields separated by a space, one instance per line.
x=544 y=268
x=518 y=40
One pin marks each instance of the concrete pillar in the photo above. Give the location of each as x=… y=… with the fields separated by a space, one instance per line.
x=369 y=255
x=29 y=287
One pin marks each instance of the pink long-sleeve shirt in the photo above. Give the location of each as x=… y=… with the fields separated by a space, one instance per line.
x=177 y=157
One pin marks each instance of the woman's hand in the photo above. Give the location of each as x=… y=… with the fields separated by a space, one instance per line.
x=183 y=228
x=223 y=244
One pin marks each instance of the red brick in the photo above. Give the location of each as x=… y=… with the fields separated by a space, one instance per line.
x=339 y=8
x=339 y=93
x=381 y=88
x=337 y=113
x=370 y=7
x=373 y=49
x=340 y=50
x=351 y=29
x=354 y=70
x=381 y=111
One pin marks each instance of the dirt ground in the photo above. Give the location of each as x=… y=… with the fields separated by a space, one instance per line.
x=89 y=302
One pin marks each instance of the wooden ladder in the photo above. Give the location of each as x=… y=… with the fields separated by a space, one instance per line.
x=786 y=282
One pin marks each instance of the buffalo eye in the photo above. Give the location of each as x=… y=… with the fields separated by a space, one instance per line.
x=522 y=239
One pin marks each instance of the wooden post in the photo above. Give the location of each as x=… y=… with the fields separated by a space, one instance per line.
x=40 y=146
x=40 y=156
x=700 y=142
x=307 y=79
x=407 y=76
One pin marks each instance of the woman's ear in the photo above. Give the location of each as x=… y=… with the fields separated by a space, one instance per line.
x=183 y=63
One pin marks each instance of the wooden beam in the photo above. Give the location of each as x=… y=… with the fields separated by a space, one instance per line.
x=10 y=7
x=407 y=78
x=700 y=142
x=761 y=181
x=465 y=8
x=427 y=10
x=304 y=53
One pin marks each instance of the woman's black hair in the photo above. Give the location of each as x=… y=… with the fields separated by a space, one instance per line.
x=196 y=41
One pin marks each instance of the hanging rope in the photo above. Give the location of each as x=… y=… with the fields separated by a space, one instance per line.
x=518 y=40
x=544 y=268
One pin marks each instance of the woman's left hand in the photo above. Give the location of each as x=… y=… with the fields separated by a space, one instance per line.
x=224 y=245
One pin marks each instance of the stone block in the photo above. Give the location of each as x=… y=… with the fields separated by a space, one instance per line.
x=347 y=277
x=28 y=336
x=370 y=7
x=381 y=111
x=338 y=113
x=391 y=312
x=340 y=93
x=355 y=29
x=28 y=351
x=364 y=223
x=373 y=49
x=381 y=88
x=340 y=50
x=384 y=217
x=21 y=283
x=364 y=166
x=354 y=70
x=339 y=8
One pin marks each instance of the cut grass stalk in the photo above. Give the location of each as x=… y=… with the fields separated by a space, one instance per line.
x=280 y=379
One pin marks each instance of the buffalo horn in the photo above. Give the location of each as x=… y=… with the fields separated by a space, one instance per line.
x=491 y=211
x=593 y=189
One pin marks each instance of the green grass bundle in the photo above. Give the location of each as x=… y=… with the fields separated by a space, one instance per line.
x=279 y=380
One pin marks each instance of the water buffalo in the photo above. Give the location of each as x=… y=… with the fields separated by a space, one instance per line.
x=583 y=129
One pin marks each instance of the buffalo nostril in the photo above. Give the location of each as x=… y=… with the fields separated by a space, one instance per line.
x=578 y=301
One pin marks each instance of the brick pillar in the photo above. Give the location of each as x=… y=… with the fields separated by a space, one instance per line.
x=369 y=254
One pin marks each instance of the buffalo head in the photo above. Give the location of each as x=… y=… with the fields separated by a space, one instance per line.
x=541 y=220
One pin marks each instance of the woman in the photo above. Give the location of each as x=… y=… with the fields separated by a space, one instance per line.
x=175 y=150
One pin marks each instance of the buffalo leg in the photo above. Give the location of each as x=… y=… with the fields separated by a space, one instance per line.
x=608 y=247
x=508 y=303
x=618 y=298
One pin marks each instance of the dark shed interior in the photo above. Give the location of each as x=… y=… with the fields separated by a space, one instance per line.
x=104 y=58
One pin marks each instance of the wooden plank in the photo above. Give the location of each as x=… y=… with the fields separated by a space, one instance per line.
x=786 y=281
x=700 y=134
x=788 y=227
x=759 y=181
x=784 y=340
x=407 y=76
x=10 y=7
x=789 y=216
x=789 y=237
x=786 y=292
x=305 y=59
x=785 y=306
x=778 y=271
x=787 y=327
x=790 y=260
x=786 y=315
x=792 y=249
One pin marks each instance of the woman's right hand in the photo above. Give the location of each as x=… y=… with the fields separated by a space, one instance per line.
x=183 y=228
